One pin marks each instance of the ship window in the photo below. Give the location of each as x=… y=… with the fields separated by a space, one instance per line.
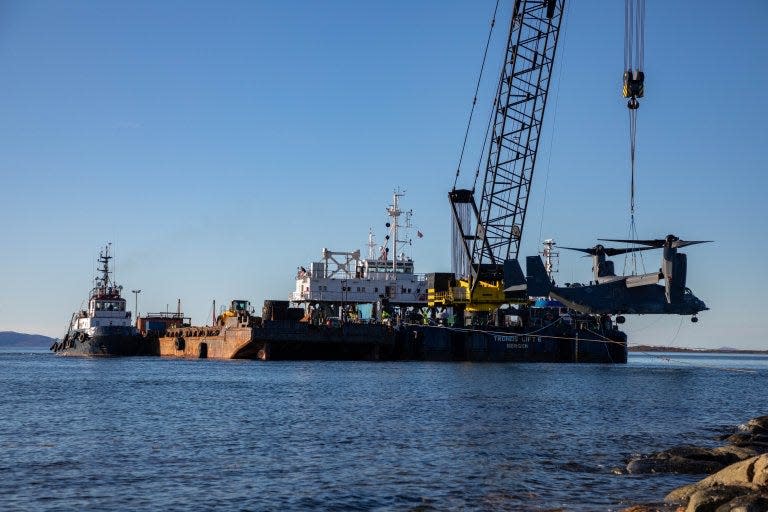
x=376 y=290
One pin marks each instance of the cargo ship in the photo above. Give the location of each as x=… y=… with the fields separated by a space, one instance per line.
x=105 y=327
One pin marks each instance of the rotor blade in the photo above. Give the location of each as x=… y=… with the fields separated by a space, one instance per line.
x=682 y=243
x=588 y=251
x=615 y=252
x=651 y=243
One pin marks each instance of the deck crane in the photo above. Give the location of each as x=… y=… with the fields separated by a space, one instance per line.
x=487 y=237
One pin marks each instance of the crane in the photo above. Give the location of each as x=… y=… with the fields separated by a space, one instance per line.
x=488 y=235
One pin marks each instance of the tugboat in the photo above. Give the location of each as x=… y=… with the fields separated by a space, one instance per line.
x=105 y=328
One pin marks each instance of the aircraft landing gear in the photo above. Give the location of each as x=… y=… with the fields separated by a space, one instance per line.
x=694 y=319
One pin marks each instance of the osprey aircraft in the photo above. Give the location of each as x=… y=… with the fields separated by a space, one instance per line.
x=610 y=294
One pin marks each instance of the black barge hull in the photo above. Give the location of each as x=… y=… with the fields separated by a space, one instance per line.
x=300 y=341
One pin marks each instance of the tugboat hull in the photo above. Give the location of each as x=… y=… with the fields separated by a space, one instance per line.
x=103 y=342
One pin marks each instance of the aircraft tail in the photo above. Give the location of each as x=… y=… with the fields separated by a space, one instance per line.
x=538 y=281
x=514 y=279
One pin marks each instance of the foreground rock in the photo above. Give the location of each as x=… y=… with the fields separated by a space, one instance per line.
x=749 y=440
x=743 y=477
x=689 y=460
x=752 y=434
x=739 y=482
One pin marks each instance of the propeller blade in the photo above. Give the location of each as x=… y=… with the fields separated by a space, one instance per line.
x=616 y=252
x=682 y=243
x=588 y=251
x=670 y=241
x=650 y=243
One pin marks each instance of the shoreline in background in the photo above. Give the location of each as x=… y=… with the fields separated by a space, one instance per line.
x=12 y=339
x=722 y=350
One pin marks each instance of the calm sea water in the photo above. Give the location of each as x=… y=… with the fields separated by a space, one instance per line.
x=150 y=433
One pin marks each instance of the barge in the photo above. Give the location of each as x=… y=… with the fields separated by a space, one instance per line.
x=542 y=334
x=377 y=308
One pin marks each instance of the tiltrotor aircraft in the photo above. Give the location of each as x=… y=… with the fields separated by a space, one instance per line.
x=610 y=294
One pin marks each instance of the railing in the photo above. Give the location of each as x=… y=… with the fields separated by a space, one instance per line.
x=454 y=295
x=373 y=276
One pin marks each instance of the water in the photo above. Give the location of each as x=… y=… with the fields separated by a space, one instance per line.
x=150 y=433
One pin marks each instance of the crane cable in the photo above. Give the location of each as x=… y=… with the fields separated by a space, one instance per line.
x=633 y=88
x=477 y=89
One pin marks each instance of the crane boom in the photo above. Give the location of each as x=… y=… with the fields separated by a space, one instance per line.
x=485 y=237
x=520 y=102
x=521 y=98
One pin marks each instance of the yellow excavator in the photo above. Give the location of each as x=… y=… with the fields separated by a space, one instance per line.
x=239 y=309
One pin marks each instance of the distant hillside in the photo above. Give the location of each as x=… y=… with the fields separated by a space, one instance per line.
x=722 y=350
x=10 y=339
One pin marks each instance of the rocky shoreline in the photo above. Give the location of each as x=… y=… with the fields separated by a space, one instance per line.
x=738 y=473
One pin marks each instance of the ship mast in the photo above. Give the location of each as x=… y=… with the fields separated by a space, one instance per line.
x=371 y=245
x=104 y=258
x=551 y=257
x=394 y=212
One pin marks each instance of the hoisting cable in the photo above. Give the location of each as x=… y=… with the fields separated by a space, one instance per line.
x=633 y=88
x=559 y=73
x=477 y=89
x=491 y=117
x=678 y=361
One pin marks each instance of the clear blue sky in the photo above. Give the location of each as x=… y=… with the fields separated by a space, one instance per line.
x=220 y=145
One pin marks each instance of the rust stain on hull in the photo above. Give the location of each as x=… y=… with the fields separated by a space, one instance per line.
x=210 y=343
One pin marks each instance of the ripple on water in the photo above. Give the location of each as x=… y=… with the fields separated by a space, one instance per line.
x=149 y=433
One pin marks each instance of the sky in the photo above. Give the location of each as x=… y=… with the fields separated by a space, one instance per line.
x=220 y=145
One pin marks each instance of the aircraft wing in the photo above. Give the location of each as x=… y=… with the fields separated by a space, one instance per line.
x=643 y=280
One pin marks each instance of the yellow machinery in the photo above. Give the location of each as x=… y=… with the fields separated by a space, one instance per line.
x=237 y=308
x=486 y=297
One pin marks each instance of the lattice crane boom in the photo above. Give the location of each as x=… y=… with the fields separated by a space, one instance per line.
x=519 y=114
x=521 y=98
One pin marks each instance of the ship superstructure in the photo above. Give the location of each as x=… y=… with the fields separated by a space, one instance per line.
x=105 y=327
x=346 y=278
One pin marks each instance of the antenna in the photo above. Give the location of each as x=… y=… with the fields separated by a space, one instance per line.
x=551 y=257
x=371 y=244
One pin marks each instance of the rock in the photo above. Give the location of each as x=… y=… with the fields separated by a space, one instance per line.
x=753 y=434
x=749 y=474
x=712 y=498
x=651 y=507
x=737 y=453
x=689 y=460
x=756 y=441
x=757 y=425
x=673 y=465
x=746 y=503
